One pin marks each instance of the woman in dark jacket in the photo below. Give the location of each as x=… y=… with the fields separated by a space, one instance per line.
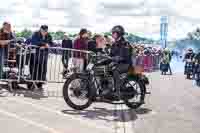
x=81 y=43
x=6 y=36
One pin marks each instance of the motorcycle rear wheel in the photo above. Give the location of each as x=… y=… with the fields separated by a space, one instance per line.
x=135 y=105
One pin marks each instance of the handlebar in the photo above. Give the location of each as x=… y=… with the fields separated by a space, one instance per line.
x=107 y=57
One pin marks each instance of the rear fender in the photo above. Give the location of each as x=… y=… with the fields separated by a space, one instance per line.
x=139 y=78
x=144 y=79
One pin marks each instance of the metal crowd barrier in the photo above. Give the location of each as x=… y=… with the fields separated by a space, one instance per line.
x=148 y=63
x=28 y=63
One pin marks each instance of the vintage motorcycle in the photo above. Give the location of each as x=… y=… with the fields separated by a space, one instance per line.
x=96 y=84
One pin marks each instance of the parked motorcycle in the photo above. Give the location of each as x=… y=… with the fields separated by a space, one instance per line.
x=96 y=84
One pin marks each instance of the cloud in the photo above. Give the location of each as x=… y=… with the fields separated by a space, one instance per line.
x=140 y=8
x=137 y=16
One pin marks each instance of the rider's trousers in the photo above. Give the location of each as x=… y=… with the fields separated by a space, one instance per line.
x=120 y=68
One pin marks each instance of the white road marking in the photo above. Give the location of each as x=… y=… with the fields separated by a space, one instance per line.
x=91 y=125
x=44 y=127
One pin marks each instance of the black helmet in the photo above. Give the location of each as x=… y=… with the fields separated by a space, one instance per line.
x=119 y=29
x=190 y=49
x=44 y=28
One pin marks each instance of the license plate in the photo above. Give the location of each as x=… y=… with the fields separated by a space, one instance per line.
x=90 y=66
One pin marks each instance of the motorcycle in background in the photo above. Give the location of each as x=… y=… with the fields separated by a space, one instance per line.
x=197 y=73
x=189 y=68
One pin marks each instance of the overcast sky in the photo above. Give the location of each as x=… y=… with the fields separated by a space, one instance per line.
x=141 y=17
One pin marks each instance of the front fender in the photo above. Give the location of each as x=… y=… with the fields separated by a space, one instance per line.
x=78 y=75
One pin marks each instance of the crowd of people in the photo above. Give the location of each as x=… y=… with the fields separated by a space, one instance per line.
x=147 y=57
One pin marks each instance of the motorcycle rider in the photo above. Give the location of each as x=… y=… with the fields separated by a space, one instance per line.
x=189 y=58
x=121 y=52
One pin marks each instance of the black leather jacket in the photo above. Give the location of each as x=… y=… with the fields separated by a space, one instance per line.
x=189 y=56
x=122 y=49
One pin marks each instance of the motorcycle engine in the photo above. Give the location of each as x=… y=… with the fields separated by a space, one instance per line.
x=107 y=83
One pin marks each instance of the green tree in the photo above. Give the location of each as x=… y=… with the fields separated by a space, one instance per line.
x=195 y=35
x=59 y=35
x=108 y=33
x=25 y=33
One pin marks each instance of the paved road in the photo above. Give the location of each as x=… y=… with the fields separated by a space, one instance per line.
x=172 y=107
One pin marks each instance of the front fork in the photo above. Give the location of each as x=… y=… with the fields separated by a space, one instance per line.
x=93 y=85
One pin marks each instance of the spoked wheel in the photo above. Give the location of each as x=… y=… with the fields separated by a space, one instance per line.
x=198 y=83
x=30 y=86
x=139 y=89
x=77 y=93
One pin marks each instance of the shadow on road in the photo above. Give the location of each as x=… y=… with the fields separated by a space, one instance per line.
x=126 y=115
x=6 y=92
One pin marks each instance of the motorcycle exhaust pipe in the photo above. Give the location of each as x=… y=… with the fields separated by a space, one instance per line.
x=148 y=93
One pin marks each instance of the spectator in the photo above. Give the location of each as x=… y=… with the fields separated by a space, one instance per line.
x=89 y=36
x=81 y=44
x=166 y=59
x=5 y=38
x=91 y=42
x=108 y=39
x=134 y=55
x=108 y=44
x=100 y=44
x=66 y=54
x=38 y=62
x=100 y=41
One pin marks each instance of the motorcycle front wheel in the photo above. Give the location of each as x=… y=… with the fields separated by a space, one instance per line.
x=77 y=93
